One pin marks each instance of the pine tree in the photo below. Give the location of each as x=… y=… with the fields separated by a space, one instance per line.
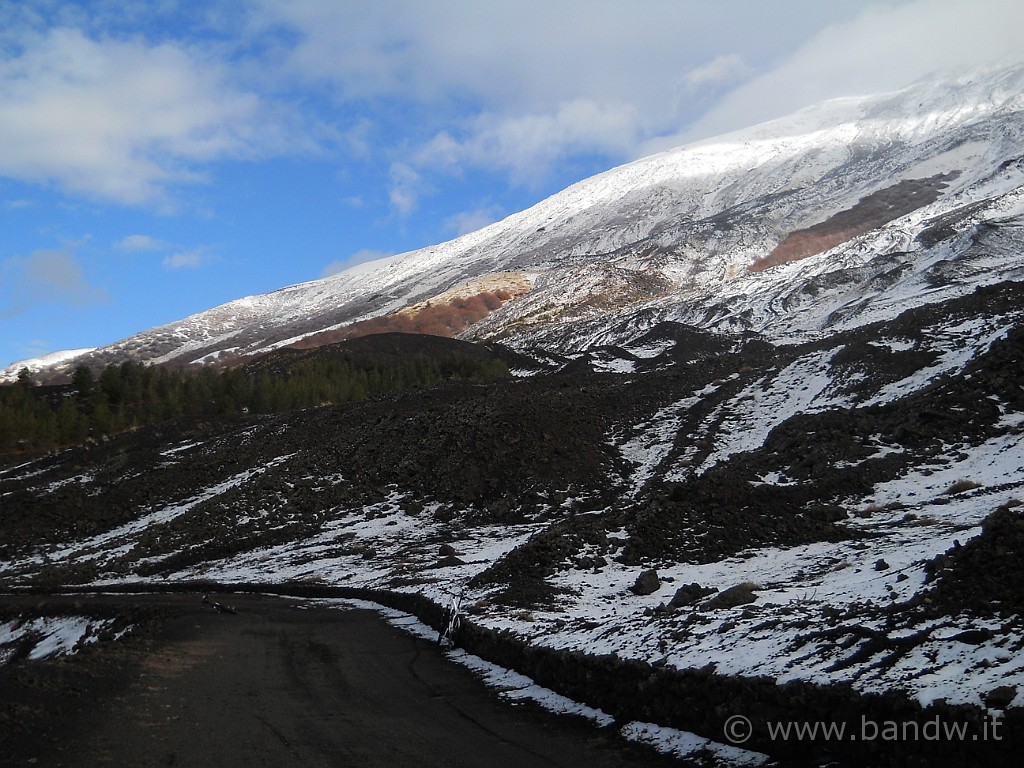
x=83 y=381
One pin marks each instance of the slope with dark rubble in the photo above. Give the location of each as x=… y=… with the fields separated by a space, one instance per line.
x=798 y=486
x=822 y=513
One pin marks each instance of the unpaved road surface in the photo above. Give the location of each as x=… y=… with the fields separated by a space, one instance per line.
x=279 y=683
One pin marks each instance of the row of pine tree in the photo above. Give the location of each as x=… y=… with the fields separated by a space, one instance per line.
x=131 y=395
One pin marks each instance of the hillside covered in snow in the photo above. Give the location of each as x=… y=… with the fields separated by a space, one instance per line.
x=761 y=453
x=871 y=205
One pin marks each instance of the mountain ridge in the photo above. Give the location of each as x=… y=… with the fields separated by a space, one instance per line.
x=673 y=231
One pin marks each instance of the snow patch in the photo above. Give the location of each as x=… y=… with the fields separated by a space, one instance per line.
x=52 y=636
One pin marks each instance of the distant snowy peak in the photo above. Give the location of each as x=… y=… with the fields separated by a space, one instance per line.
x=41 y=364
x=837 y=215
x=792 y=147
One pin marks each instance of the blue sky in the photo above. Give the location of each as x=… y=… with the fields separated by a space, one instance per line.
x=158 y=158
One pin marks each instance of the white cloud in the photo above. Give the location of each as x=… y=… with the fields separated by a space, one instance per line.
x=406 y=187
x=470 y=221
x=526 y=54
x=361 y=256
x=522 y=86
x=121 y=120
x=192 y=258
x=515 y=86
x=723 y=69
x=884 y=48
x=333 y=268
x=177 y=256
x=141 y=243
x=51 y=276
x=527 y=145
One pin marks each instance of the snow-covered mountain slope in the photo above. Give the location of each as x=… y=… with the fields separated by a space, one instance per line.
x=841 y=515
x=913 y=196
x=780 y=460
x=40 y=365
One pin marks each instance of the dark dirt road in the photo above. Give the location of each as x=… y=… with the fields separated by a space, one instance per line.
x=277 y=684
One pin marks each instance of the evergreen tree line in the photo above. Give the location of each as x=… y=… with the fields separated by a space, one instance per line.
x=132 y=395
